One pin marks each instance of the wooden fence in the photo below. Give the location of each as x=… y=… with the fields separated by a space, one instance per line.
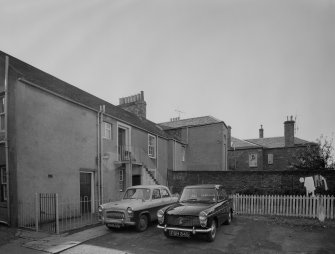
x=321 y=207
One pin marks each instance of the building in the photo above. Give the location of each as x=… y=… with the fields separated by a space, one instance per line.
x=205 y=140
x=56 y=138
x=273 y=153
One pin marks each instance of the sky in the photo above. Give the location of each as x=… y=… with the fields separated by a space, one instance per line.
x=244 y=62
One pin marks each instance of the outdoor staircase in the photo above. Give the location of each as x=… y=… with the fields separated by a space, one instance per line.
x=150 y=177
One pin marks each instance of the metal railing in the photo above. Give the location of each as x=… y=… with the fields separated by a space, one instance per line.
x=55 y=215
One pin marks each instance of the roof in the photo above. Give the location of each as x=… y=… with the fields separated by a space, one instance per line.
x=152 y=186
x=55 y=85
x=203 y=186
x=203 y=120
x=274 y=142
x=239 y=143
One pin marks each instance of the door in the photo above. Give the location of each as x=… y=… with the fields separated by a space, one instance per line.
x=85 y=191
x=136 y=180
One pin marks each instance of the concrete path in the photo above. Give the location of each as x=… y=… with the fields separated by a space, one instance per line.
x=58 y=243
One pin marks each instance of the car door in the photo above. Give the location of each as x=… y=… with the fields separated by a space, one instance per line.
x=166 y=197
x=223 y=205
x=156 y=203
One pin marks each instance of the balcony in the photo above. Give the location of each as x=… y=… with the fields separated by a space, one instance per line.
x=131 y=154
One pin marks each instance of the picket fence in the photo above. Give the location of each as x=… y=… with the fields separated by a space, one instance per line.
x=321 y=207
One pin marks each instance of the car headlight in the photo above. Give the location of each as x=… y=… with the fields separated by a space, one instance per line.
x=203 y=219
x=160 y=216
x=130 y=212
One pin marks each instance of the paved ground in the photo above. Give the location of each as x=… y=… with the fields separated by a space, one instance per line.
x=244 y=235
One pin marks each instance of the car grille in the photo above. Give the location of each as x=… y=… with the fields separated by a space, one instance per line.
x=185 y=221
x=114 y=215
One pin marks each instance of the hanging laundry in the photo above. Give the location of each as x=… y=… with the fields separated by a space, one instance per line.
x=324 y=182
x=317 y=181
x=309 y=185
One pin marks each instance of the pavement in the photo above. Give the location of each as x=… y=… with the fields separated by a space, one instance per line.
x=29 y=242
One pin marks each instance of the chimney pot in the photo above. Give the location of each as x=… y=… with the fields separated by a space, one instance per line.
x=261 y=132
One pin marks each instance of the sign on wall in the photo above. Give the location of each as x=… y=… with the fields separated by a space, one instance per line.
x=253 y=160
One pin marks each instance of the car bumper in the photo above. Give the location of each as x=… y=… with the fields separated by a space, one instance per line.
x=193 y=230
x=119 y=222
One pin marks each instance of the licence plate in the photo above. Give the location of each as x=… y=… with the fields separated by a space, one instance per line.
x=114 y=225
x=179 y=233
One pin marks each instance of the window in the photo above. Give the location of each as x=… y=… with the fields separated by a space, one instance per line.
x=152 y=146
x=222 y=194
x=270 y=158
x=156 y=194
x=253 y=160
x=2 y=113
x=183 y=153
x=122 y=179
x=165 y=193
x=107 y=130
x=3 y=184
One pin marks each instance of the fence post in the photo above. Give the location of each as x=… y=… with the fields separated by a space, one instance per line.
x=57 y=214
x=36 y=211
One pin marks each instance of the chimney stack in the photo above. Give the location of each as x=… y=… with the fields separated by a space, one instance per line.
x=289 y=132
x=134 y=104
x=261 y=132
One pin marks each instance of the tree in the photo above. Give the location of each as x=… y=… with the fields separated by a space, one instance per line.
x=319 y=155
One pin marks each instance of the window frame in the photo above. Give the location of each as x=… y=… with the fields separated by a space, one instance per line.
x=3 y=184
x=152 y=147
x=270 y=159
x=2 y=113
x=152 y=195
x=107 y=130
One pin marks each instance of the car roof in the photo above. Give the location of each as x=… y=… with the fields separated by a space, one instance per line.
x=204 y=186
x=153 y=186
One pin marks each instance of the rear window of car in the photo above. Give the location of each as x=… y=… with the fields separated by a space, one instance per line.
x=165 y=193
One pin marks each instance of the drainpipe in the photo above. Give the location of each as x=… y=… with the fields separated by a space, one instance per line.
x=157 y=171
x=98 y=155
x=6 y=136
x=101 y=153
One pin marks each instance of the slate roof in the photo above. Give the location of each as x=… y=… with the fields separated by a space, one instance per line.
x=203 y=120
x=64 y=89
x=239 y=143
x=274 y=142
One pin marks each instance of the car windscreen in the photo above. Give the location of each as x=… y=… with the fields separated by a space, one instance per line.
x=137 y=193
x=198 y=195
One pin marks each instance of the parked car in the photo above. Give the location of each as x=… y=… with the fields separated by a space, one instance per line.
x=138 y=207
x=201 y=209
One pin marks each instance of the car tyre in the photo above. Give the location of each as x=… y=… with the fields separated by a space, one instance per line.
x=230 y=218
x=212 y=234
x=142 y=223
x=113 y=229
x=166 y=233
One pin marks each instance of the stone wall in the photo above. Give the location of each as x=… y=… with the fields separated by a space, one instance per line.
x=252 y=182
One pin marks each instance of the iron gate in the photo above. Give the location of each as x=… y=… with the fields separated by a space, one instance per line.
x=47 y=220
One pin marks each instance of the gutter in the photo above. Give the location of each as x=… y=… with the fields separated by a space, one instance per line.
x=6 y=135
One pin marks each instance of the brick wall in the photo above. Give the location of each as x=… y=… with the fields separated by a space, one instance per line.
x=257 y=182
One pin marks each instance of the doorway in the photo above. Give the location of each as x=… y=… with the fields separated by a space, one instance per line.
x=136 y=180
x=86 y=192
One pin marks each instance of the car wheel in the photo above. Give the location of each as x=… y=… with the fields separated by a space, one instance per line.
x=166 y=233
x=212 y=234
x=229 y=219
x=113 y=229
x=142 y=223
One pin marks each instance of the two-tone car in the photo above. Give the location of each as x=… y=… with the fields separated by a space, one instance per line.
x=138 y=207
x=201 y=210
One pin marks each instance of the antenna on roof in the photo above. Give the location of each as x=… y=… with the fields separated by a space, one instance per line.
x=179 y=112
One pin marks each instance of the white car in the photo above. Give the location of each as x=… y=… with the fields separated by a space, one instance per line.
x=138 y=207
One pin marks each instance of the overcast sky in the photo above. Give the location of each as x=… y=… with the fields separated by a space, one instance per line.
x=244 y=62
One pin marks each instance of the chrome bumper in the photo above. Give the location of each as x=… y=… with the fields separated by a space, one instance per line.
x=193 y=230
x=119 y=222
